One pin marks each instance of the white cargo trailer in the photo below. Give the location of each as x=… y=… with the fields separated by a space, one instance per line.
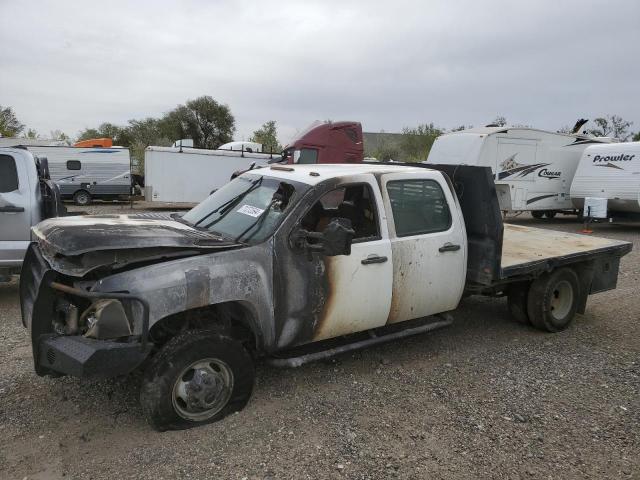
x=612 y=172
x=90 y=173
x=533 y=168
x=174 y=174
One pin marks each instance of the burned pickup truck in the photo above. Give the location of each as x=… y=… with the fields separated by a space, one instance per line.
x=288 y=264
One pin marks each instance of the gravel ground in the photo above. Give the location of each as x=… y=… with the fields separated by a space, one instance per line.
x=484 y=398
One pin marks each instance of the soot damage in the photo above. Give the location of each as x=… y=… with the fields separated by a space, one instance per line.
x=77 y=246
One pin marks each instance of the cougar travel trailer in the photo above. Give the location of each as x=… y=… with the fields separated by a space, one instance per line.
x=86 y=173
x=533 y=168
x=189 y=175
x=612 y=172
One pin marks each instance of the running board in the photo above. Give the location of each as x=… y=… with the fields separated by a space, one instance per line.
x=444 y=321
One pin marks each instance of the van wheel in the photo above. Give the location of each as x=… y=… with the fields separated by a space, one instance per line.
x=82 y=197
x=552 y=300
x=517 y=302
x=198 y=377
x=537 y=214
x=550 y=214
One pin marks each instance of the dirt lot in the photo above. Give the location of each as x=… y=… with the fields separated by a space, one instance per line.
x=483 y=398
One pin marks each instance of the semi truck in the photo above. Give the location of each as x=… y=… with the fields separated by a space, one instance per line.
x=289 y=264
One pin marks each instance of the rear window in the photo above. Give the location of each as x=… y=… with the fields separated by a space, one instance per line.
x=74 y=165
x=307 y=155
x=8 y=174
x=418 y=206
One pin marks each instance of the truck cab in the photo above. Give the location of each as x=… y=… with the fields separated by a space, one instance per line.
x=327 y=142
x=25 y=199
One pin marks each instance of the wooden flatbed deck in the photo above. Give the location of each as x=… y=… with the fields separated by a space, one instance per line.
x=525 y=247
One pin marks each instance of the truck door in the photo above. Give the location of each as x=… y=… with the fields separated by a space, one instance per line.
x=428 y=244
x=346 y=293
x=15 y=219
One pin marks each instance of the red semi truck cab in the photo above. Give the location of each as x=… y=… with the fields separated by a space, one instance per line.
x=327 y=142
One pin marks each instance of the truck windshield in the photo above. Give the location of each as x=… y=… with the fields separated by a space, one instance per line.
x=247 y=209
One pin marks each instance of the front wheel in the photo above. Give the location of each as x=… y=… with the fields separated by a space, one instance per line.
x=550 y=214
x=198 y=377
x=553 y=299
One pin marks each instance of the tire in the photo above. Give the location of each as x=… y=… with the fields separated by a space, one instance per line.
x=517 y=302
x=553 y=299
x=200 y=367
x=82 y=197
x=538 y=214
x=549 y=214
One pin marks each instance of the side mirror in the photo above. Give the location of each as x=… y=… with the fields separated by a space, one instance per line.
x=334 y=240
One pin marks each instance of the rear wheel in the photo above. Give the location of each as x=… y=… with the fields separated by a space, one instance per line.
x=198 y=377
x=537 y=214
x=550 y=214
x=82 y=197
x=552 y=300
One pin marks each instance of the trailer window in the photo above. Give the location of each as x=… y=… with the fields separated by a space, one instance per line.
x=8 y=174
x=74 y=165
x=418 y=206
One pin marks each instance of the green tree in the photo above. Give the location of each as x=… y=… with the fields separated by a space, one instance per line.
x=416 y=142
x=267 y=135
x=499 y=121
x=636 y=137
x=9 y=124
x=209 y=123
x=612 y=126
x=31 y=134
x=60 y=136
x=120 y=135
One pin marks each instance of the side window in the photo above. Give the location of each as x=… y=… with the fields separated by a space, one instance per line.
x=353 y=202
x=306 y=155
x=418 y=206
x=8 y=174
x=73 y=165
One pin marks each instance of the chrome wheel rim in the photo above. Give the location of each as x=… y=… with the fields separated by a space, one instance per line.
x=561 y=300
x=202 y=389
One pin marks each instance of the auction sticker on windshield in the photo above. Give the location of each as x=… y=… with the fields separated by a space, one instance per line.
x=250 y=210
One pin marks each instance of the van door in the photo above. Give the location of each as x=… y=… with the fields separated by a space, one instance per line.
x=428 y=244
x=15 y=212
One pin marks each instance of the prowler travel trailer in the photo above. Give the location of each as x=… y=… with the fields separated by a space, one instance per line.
x=533 y=169
x=88 y=173
x=612 y=172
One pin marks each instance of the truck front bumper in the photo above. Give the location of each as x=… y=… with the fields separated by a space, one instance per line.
x=85 y=357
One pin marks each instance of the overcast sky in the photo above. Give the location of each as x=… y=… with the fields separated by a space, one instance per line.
x=74 y=64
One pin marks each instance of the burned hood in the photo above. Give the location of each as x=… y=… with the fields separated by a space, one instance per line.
x=76 y=245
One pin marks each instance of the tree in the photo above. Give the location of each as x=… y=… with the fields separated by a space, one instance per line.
x=267 y=135
x=416 y=142
x=9 y=124
x=120 y=135
x=636 y=137
x=60 y=136
x=499 y=121
x=31 y=134
x=612 y=126
x=459 y=128
x=209 y=123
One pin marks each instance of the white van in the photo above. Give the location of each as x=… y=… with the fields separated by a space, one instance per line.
x=533 y=168
x=611 y=172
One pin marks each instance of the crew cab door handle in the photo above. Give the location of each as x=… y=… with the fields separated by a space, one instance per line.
x=373 y=259
x=449 y=247
x=11 y=209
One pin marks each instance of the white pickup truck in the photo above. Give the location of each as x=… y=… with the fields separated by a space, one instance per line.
x=27 y=196
x=290 y=264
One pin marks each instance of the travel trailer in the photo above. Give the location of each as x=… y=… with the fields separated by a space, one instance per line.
x=189 y=175
x=612 y=172
x=88 y=173
x=533 y=169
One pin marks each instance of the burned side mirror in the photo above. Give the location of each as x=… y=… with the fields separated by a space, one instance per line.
x=334 y=240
